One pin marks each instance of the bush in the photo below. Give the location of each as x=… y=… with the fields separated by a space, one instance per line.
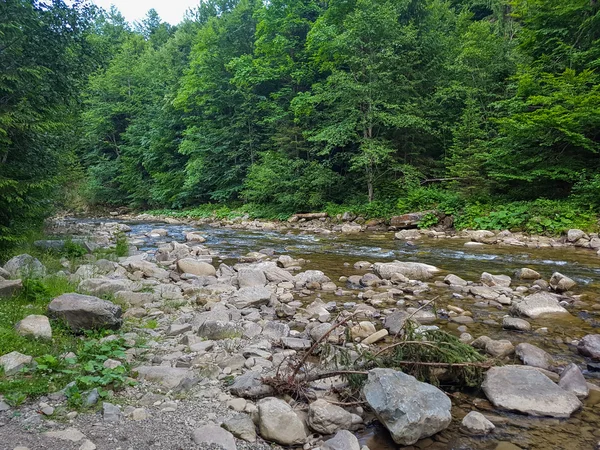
x=425 y=198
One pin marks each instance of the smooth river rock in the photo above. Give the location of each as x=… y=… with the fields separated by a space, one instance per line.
x=326 y=418
x=277 y=422
x=538 y=305
x=409 y=409
x=528 y=391
x=412 y=270
x=589 y=345
x=36 y=326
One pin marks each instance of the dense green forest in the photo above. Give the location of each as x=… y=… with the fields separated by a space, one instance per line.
x=486 y=109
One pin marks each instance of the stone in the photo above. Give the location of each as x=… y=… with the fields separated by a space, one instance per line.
x=514 y=323
x=36 y=326
x=343 y=440
x=395 y=322
x=310 y=276
x=25 y=266
x=192 y=236
x=111 y=363
x=495 y=280
x=251 y=277
x=574 y=235
x=527 y=274
x=8 y=288
x=533 y=356
x=410 y=220
x=149 y=269
x=538 y=305
x=412 y=270
x=170 y=377
x=85 y=312
x=277 y=422
x=572 y=380
x=242 y=427
x=212 y=434
x=362 y=329
x=275 y=330
x=476 y=423
x=296 y=343
x=250 y=385
x=454 y=280
x=105 y=286
x=326 y=418
x=375 y=337
x=196 y=267
x=216 y=330
x=589 y=345
x=516 y=388
x=499 y=348
x=110 y=412
x=87 y=445
x=561 y=283
x=13 y=362
x=139 y=414
x=70 y=434
x=251 y=297
x=177 y=329
x=409 y=409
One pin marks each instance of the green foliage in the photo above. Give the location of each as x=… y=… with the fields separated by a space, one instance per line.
x=74 y=249
x=429 y=198
x=121 y=245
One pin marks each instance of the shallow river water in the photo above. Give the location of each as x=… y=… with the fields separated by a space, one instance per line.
x=335 y=255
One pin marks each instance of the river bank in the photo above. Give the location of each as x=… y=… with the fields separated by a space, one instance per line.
x=302 y=282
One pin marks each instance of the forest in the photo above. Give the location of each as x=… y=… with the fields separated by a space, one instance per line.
x=488 y=110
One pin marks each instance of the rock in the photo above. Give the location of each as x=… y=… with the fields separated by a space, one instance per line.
x=561 y=283
x=514 y=323
x=410 y=220
x=538 y=305
x=195 y=237
x=574 y=235
x=325 y=418
x=528 y=391
x=250 y=385
x=572 y=380
x=8 y=288
x=251 y=297
x=105 y=286
x=453 y=280
x=495 y=280
x=149 y=269
x=25 y=266
x=476 y=423
x=13 y=362
x=394 y=322
x=35 y=326
x=84 y=312
x=408 y=235
x=343 y=440
x=409 y=409
x=177 y=329
x=87 y=445
x=350 y=228
x=139 y=414
x=212 y=434
x=275 y=330
x=70 y=434
x=362 y=329
x=377 y=336
x=296 y=343
x=277 y=422
x=242 y=427
x=499 y=348
x=412 y=270
x=110 y=412
x=170 y=377
x=527 y=274
x=589 y=345
x=216 y=330
x=310 y=276
x=195 y=267
x=250 y=277
x=533 y=356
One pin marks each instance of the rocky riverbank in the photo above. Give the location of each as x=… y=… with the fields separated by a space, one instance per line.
x=222 y=331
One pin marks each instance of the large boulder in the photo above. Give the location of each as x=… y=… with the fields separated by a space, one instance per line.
x=561 y=283
x=343 y=440
x=196 y=267
x=13 y=362
x=589 y=345
x=36 y=326
x=326 y=418
x=250 y=385
x=25 y=266
x=85 y=312
x=412 y=270
x=277 y=422
x=538 y=305
x=208 y=436
x=409 y=409
x=572 y=380
x=9 y=288
x=105 y=286
x=251 y=297
x=533 y=356
x=528 y=391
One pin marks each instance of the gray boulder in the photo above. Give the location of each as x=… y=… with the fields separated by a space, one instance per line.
x=105 y=286
x=528 y=391
x=84 y=312
x=216 y=330
x=589 y=345
x=514 y=323
x=250 y=385
x=242 y=427
x=250 y=297
x=13 y=362
x=409 y=409
x=476 y=423
x=277 y=422
x=412 y=270
x=572 y=380
x=8 y=288
x=209 y=435
x=36 y=326
x=527 y=274
x=170 y=377
x=561 y=283
x=196 y=267
x=25 y=266
x=343 y=440
x=251 y=277
x=325 y=418
x=533 y=356
x=495 y=280
x=538 y=305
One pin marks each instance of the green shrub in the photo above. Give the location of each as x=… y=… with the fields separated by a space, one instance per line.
x=121 y=245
